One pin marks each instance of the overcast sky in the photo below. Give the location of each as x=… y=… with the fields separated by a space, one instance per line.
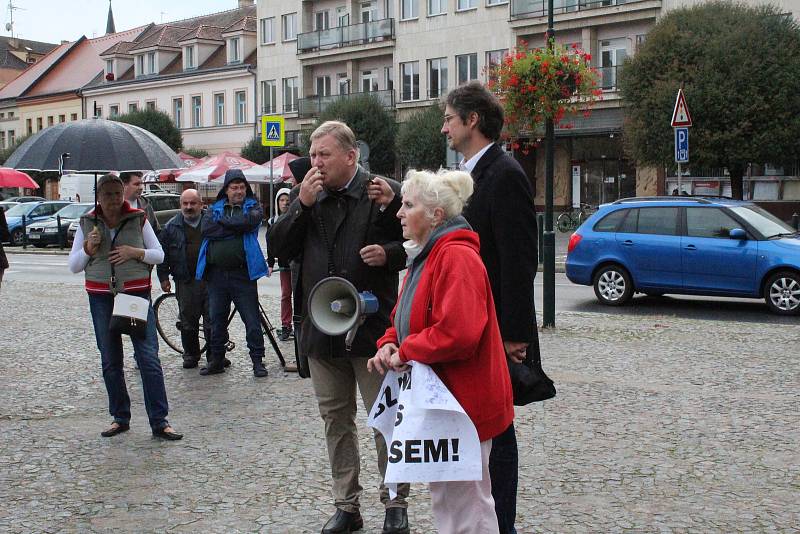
x=52 y=21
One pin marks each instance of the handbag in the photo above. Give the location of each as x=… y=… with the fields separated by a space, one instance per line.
x=129 y=315
x=529 y=382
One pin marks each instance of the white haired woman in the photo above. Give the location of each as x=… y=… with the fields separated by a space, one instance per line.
x=445 y=318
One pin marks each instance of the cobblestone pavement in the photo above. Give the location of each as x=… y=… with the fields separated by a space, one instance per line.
x=661 y=424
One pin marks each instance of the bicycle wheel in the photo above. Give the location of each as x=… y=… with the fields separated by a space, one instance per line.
x=564 y=222
x=168 y=321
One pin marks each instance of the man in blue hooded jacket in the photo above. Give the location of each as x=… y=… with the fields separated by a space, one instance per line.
x=231 y=262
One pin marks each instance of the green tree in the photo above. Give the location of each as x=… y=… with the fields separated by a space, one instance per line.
x=5 y=153
x=156 y=122
x=258 y=153
x=740 y=67
x=370 y=122
x=420 y=143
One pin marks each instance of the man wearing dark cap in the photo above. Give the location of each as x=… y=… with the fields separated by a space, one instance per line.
x=231 y=262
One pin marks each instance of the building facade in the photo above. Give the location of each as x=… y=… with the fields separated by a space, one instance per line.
x=200 y=71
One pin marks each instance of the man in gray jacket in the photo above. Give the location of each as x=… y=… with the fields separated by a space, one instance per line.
x=341 y=222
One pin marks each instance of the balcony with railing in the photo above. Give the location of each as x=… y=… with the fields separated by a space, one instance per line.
x=344 y=36
x=521 y=9
x=312 y=106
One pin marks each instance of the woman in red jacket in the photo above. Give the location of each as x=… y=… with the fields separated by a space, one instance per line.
x=445 y=318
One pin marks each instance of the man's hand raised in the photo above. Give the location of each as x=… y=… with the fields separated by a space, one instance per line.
x=310 y=188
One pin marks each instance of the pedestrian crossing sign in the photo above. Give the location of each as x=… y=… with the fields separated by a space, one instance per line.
x=272 y=132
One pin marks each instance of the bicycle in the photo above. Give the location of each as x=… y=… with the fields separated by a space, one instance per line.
x=168 y=325
x=571 y=220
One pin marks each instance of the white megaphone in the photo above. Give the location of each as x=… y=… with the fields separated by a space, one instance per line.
x=335 y=307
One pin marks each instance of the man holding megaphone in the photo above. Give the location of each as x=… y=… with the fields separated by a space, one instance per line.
x=341 y=224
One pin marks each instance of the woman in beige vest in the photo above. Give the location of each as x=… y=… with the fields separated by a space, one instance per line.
x=114 y=234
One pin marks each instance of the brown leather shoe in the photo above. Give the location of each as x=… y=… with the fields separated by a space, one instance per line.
x=114 y=429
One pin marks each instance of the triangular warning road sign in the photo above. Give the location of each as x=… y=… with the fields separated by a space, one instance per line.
x=680 y=115
x=273 y=134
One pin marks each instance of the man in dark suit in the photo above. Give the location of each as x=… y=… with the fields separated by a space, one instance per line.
x=501 y=211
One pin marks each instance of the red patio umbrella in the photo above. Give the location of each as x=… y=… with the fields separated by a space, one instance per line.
x=215 y=167
x=14 y=178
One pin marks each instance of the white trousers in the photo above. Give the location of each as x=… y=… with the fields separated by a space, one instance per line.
x=466 y=507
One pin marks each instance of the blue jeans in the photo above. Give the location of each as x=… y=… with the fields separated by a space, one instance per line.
x=503 y=470
x=145 y=352
x=226 y=286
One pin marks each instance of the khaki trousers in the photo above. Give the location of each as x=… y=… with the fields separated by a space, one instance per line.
x=335 y=381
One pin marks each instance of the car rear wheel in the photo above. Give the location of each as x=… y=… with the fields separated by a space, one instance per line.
x=17 y=237
x=613 y=285
x=782 y=293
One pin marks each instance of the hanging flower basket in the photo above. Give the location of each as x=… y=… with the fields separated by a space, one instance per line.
x=538 y=84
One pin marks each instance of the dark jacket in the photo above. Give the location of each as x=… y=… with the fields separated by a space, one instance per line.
x=173 y=241
x=352 y=221
x=218 y=226
x=4 y=236
x=501 y=211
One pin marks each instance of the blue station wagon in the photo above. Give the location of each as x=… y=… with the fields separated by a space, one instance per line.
x=690 y=246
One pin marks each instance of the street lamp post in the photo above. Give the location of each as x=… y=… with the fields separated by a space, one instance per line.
x=548 y=237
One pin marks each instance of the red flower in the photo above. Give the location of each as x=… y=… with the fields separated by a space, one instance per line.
x=514 y=80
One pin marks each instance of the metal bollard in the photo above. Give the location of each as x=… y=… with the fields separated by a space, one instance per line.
x=540 y=225
x=796 y=221
x=24 y=233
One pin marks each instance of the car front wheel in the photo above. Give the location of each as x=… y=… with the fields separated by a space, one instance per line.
x=782 y=293
x=613 y=285
x=17 y=236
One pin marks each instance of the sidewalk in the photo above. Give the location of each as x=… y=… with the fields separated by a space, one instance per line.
x=661 y=424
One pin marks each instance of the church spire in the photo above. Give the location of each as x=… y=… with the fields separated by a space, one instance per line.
x=110 y=22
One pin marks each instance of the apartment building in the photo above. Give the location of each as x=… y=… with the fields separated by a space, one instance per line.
x=200 y=71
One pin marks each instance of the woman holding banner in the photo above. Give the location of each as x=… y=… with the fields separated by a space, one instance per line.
x=445 y=318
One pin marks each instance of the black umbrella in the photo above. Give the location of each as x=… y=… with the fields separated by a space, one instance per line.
x=93 y=146
x=96 y=146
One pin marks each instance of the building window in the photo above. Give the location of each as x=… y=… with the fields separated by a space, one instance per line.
x=409 y=9
x=466 y=4
x=177 y=111
x=150 y=104
x=151 y=63
x=323 y=84
x=10 y=114
x=73 y=117
x=493 y=60
x=289 y=27
x=268 y=30
x=321 y=20
x=467 y=67
x=219 y=109
x=197 y=112
x=234 y=52
x=113 y=111
x=2 y=139
x=612 y=56
x=410 y=85
x=189 y=55
x=11 y=137
x=291 y=93
x=437 y=77
x=62 y=118
x=344 y=83
x=437 y=7
x=369 y=81
x=50 y=120
x=140 y=65
x=241 y=107
x=29 y=126
x=388 y=78
x=133 y=106
x=269 y=96
x=496 y=2
x=109 y=66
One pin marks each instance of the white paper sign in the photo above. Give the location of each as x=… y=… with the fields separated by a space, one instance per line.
x=428 y=435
